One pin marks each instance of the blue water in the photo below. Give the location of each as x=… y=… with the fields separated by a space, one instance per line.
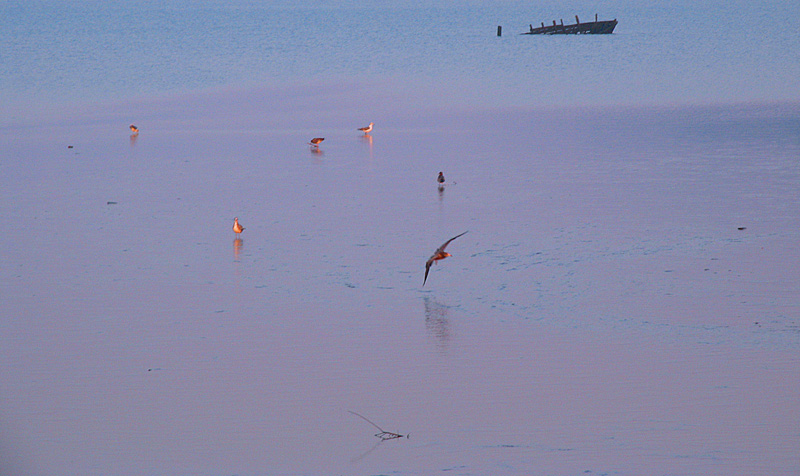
x=661 y=53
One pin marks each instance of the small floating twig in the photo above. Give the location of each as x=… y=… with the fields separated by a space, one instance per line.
x=383 y=435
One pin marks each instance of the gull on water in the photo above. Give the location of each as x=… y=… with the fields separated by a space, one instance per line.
x=440 y=179
x=438 y=255
x=316 y=141
x=368 y=129
x=134 y=129
x=237 y=228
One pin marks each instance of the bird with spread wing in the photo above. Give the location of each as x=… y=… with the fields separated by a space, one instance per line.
x=439 y=254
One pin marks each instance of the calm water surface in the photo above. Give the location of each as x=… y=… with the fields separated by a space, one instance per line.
x=684 y=52
x=625 y=302
x=604 y=313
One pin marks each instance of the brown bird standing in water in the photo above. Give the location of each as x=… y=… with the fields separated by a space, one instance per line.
x=134 y=129
x=368 y=129
x=440 y=179
x=316 y=141
x=237 y=228
x=437 y=255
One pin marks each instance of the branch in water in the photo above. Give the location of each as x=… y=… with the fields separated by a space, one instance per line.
x=383 y=435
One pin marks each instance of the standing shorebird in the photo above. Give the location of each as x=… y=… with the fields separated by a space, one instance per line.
x=440 y=179
x=438 y=255
x=237 y=228
x=134 y=129
x=368 y=129
x=316 y=141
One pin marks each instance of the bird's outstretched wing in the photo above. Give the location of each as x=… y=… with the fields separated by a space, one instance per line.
x=441 y=248
x=427 y=268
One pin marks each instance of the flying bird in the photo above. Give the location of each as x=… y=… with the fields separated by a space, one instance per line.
x=368 y=129
x=316 y=141
x=237 y=228
x=134 y=129
x=440 y=179
x=437 y=255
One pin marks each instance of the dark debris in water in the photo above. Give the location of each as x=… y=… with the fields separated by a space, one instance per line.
x=383 y=435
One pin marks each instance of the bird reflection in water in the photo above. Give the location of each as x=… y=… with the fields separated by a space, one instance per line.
x=133 y=139
x=367 y=139
x=238 y=243
x=436 y=321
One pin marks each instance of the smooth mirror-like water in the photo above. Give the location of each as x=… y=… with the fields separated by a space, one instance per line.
x=625 y=300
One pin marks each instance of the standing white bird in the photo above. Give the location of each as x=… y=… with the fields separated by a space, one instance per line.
x=368 y=129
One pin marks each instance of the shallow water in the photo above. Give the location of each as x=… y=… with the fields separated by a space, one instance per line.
x=604 y=314
x=625 y=302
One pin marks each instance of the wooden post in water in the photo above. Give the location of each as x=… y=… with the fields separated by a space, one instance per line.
x=576 y=20
x=499 y=30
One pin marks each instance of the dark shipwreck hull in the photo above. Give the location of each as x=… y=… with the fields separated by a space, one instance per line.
x=603 y=27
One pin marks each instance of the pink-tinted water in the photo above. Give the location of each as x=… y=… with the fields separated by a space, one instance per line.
x=604 y=314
